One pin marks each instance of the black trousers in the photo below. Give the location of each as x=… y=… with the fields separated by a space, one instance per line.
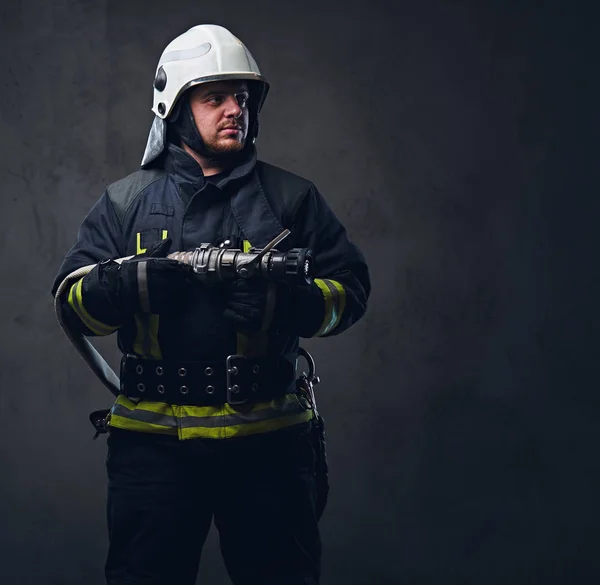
x=163 y=494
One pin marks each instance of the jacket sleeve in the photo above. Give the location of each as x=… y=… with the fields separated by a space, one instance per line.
x=86 y=304
x=338 y=296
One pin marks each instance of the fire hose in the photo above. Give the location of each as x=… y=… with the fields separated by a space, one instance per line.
x=213 y=265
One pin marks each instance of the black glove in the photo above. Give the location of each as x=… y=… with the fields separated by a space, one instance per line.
x=248 y=302
x=255 y=304
x=149 y=282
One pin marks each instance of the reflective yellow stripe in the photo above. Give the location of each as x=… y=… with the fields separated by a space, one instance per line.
x=75 y=300
x=173 y=411
x=246 y=246
x=153 y=336
x=123 y=417
x=221 y=417
x=138 y=244
x=138 y=241
x=329 y=312
x=335 y=303
x=214 y=422
x=229 y=417
x=129 y=424
x=146 y=336
x=341 y=299
x=140 y=345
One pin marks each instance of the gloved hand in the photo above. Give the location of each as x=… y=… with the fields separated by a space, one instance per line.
x=149 y=282
x=255 y=304
x=248 y=302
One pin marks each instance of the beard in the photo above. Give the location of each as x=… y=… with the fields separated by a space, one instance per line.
x=222 y=147
x=216 y=146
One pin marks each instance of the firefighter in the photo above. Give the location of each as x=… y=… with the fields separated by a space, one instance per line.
x=209 y=423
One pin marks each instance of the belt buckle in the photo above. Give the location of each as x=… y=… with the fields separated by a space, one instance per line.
x=233 y=389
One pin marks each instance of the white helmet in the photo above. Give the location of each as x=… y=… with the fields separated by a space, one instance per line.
x=204 y=53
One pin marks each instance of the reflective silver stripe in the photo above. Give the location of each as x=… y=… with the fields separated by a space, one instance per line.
x=226 y=420
x=239 y=418
x=142 y=278
x=335 y=316
x=185 y=54
x=144 y=416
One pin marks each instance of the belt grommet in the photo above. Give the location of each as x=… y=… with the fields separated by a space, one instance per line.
x=208 y=371
x=233 y=371
x=210 y=389
x=159 y=371
x=139 y=369
x=235 y=389
x=161 y=389
x=255 y=369
x=141 y=387
x=182 y=372
x=184 y=389
x=254 y=387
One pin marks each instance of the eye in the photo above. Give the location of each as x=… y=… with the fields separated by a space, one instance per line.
x=242 y=99
x=215 y=99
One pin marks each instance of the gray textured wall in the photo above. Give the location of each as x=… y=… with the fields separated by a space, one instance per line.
x=458 y=143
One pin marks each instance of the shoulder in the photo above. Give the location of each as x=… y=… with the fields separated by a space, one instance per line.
x=284 y=189
x=283 y=177
x=123 y=192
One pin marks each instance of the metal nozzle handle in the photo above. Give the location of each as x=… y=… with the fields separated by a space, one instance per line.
x=256 y=261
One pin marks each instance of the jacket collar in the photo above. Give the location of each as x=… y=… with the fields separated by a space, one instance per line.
x=188 y=175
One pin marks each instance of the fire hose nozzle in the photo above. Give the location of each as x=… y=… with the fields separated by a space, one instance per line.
x=215 y=264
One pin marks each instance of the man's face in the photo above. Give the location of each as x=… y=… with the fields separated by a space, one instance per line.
x=220 y=111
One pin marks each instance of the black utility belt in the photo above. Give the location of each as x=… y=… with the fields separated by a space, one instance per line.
x=236 y=380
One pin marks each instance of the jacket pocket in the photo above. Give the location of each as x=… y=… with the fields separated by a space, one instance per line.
x=148 y=238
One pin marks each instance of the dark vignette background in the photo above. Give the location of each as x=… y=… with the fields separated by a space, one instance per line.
x=458 y=141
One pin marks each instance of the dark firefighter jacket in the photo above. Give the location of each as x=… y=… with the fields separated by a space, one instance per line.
x=249 y=205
